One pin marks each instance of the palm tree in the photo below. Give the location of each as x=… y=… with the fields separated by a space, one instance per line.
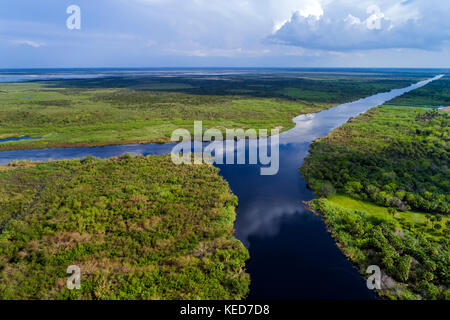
x=392 y=211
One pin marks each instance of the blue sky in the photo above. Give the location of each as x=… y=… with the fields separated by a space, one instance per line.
x=226 y=33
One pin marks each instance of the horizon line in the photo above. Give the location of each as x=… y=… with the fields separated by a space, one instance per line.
x=217 y=67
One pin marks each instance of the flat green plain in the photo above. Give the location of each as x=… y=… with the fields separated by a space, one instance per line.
x=140 y=110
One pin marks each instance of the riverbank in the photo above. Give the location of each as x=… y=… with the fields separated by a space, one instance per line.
x=382 y=164
x=412 y=256
x=137 y=227
x=434 y=95
x=65 y=117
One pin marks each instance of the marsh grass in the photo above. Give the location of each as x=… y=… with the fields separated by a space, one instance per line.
x=123 y=110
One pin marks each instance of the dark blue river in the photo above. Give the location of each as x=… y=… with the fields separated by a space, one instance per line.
x=292 y=254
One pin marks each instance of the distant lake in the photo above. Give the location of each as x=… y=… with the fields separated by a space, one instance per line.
x=17 y=139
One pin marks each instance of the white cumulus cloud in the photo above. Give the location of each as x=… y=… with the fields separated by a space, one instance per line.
x=347 y=25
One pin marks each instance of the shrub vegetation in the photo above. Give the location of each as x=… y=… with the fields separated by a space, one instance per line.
x=389 y=167
x=396 y=157
x=414 y=257
x=434 y=94
x=138 y=227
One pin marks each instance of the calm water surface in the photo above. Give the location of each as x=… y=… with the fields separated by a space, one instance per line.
x=292 y=254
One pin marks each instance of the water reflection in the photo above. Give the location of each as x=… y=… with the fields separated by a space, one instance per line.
x=292 y=255
x=266 y=199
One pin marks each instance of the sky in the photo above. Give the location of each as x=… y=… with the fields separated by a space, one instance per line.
x=224 y=33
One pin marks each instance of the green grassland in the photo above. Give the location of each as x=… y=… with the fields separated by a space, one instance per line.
x=138 y=227
x=64 y=117
x=384 y=181
x=120 y=110
x=435 y=94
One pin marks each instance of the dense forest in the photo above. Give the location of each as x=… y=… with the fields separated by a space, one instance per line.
x=435 y=94
x=395 y=157
x=383 y=182
x=414 y=257
x=138 y=227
